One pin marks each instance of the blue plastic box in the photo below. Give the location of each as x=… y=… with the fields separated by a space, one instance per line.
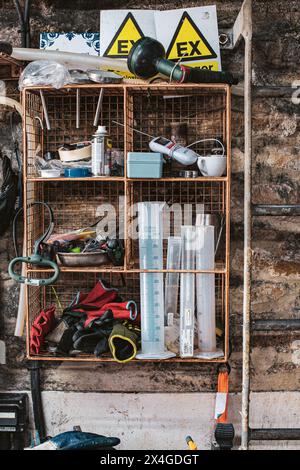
x=144 y=165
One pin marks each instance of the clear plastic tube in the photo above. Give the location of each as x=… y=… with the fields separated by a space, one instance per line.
x=187 y=292
x=205 y=292
x=172 y=279
x=206 y=311
x=151 y=284
x=172 y=317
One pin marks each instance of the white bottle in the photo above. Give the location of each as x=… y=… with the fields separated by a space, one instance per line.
x=98 y=151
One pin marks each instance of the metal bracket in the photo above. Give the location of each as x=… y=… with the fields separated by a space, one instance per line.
x=276 y=209
x=226 y=38
x=242 y=27
x=276 y=325
x=275 y=434
x=229 y=38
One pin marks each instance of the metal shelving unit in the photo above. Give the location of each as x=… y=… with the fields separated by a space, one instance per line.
x=75 y=202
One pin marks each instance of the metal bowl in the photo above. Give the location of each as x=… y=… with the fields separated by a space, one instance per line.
x=100 y=76
x=96 y=258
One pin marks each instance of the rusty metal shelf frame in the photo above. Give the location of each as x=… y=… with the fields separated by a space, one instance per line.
x=214 y=192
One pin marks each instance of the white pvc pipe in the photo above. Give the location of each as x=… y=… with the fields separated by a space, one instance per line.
x=20 y=322
x=11 y=103
x=70 y=59
x=4 y=100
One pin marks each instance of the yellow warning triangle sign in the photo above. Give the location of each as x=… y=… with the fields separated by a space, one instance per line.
x=188 y=43
x=128 y=33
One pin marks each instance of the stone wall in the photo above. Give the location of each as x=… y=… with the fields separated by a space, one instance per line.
x=276 y=171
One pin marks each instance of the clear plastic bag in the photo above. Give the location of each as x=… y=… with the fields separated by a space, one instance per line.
x=44 y=72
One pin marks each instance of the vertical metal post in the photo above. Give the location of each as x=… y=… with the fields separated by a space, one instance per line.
x=77 y=108
x=242 y=29
x=247 y=34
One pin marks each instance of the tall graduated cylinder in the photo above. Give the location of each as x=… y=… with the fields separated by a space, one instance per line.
x=187 y=292
x=205 y=283
x=151 y=284
x=172 y=279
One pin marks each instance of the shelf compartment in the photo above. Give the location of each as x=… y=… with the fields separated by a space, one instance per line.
x=76 y=204
x=184 y=200
x=152 y=111
x=61 y=107
x=69 y=284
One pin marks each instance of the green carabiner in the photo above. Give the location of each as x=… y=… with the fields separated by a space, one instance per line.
x=35 y=259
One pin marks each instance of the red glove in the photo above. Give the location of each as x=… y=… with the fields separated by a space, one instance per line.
x=42 y=325
x=121 y=310
x=96 y=298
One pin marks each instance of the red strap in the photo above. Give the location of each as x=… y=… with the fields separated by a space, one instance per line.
x=186 y=71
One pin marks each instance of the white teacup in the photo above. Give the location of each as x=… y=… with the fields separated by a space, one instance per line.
x=213 y=165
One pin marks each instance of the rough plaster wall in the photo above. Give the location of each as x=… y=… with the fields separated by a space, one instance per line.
x=143 y=420
x=275 y=180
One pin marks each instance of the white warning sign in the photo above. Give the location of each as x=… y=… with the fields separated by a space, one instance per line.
x=120 y=29
x=190 y=35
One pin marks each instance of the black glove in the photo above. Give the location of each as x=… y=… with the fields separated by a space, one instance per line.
x=94 y=339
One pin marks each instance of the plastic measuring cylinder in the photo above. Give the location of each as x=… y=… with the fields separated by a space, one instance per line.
x=187 y=292
x=172 y=280
x=151 y=284
x=205 y=292
x=172 y=317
